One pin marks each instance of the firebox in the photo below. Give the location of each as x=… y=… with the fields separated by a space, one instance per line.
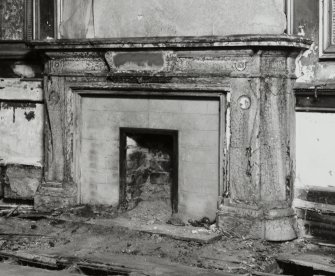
x=149 y=170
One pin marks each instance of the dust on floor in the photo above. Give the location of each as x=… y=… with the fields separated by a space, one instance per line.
x=76 y=238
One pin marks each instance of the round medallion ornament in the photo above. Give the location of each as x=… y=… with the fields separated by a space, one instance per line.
x=244 y=102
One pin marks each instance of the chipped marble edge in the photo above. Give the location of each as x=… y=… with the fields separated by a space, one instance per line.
x=176 y=42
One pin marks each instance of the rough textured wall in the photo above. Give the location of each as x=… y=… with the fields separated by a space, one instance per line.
x=310 y=69
x=21 y=130
x=134 y=18
x=11 y=19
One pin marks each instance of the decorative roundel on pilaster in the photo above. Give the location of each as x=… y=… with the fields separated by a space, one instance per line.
x=244 y=102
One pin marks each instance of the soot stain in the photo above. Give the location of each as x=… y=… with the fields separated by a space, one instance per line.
x=30 y=115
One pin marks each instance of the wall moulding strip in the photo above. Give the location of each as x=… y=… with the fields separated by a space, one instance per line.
x=149 y=89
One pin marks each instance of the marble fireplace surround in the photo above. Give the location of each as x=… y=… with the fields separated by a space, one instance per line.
x=251 y=76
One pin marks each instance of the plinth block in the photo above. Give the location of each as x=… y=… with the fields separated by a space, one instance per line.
x=271 y=225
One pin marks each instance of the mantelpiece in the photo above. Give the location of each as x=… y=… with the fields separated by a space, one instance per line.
x=247 y=79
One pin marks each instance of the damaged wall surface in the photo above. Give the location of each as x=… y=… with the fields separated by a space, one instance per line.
x=310 y=69
x=311 y=72
x=11 y=19
x=21 y=134
x=131 y=18
x=314 y=183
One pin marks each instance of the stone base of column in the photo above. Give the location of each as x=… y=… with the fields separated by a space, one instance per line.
x=267 y=224
x=53 y=195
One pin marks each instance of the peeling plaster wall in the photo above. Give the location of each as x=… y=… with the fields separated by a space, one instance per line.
x=21 y=108
x=315 y=141
x=21 y=137
x=21 y=117
x=306 y=23
x=309 y=68
x=133 y=18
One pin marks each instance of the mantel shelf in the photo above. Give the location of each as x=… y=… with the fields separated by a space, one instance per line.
x=237 y=41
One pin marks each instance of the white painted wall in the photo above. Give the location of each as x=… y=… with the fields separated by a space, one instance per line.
x=315 y=146
x=21 y=123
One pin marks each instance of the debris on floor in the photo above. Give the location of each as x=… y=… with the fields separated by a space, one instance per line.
x=52 y=236
x=152 y=212
x=85 y=211
x=15 y=209
x=90 y=232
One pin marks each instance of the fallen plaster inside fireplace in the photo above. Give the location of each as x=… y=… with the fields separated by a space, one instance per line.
x=149 y=174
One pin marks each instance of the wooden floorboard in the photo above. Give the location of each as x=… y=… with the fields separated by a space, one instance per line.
x=315 y=262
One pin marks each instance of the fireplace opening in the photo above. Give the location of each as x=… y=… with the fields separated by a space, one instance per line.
x=149 y=173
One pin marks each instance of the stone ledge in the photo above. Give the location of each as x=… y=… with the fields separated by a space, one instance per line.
x=176 y=42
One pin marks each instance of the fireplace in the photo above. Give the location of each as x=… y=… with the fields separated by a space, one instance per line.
x=226 y=102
